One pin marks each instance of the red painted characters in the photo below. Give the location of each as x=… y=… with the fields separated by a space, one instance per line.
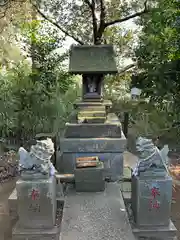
x=35 y=194
x=154 y=203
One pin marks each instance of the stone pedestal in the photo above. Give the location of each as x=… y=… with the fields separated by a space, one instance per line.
x=151 y=200
x=105 y=140
x=36 y=200
x=108 y=150
x=151 y=205
x=90 y=179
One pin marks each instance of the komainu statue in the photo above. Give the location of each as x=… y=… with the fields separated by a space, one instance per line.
x=38 y=159
x=150 y=157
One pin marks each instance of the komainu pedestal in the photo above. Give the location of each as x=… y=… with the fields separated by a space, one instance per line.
x=151 y=194
x=36 y=210
x=36 y=195
x=151 y=200
x=37 y=202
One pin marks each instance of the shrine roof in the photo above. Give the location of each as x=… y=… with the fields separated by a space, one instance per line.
x=92 y=59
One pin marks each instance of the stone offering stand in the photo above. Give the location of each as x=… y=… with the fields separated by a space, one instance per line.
x=87 y=199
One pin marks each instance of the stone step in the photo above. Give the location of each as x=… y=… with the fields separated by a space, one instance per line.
x=92 y=108
x=93 y=144
x=20 y=233
x=81 y=104
x=90 y=120
x=91 y=114
x=159 y=233
x=92 y=130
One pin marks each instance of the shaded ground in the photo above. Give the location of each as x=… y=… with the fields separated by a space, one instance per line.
x=5 y=227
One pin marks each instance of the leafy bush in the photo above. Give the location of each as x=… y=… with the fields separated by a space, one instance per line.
x=150 y=120
x=27 y=108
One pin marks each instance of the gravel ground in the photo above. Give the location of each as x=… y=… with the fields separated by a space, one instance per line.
x=8 y=166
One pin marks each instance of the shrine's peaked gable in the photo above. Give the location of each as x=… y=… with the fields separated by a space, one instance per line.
x=87 y=59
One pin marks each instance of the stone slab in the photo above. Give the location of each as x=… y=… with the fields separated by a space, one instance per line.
x=12 y=205
x=91 y=114
x=90 y=120
x=81 y=104
x=37 y=210
x=92 y=97
x=92 y=130
x=95 y=216
x=91 y=108
x=93 y=144
x=19 y=233
x=113 y=163
x=151 y=208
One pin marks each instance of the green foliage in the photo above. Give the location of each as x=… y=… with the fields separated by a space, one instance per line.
x=91 y=21
x=26 y=109
x=158 y=53
x=37 y=97
x=43 y=40
x=149 y=120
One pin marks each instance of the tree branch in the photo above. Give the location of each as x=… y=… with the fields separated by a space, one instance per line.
x=2 y=4
x=138 y=14
x=94 y=19
x=102 y=22
x=127 y=68
x=2 y=15
x=88 y=3
x=58 y=26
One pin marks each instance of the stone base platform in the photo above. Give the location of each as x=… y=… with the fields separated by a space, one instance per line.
x=149 y=233
x=87 y=130
x=35 y=234
x=163 y=233
x=95 y=216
